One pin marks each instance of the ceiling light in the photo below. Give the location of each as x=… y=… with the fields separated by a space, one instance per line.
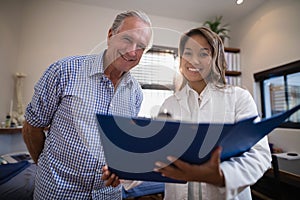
x=239 y=2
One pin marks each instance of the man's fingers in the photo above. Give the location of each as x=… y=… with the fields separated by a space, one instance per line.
x=110 y=180
x=105 y=173
x=116 y=181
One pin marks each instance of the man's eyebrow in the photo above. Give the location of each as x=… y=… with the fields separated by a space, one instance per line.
x=126 y=35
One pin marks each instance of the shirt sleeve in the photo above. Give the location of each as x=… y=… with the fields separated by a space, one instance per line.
x=139 y=100
x=46 y=97
x=243 y=171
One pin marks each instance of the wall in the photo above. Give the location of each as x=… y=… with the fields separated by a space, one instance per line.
x=10 y=26
x=269 y=37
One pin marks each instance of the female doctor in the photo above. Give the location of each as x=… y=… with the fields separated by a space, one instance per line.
x=204 y=97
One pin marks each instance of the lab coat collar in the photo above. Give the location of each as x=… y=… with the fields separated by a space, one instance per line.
x=186 y=92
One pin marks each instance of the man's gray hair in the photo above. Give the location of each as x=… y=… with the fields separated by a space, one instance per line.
x=132 y=13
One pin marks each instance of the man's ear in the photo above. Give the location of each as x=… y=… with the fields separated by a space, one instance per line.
x=109 y=35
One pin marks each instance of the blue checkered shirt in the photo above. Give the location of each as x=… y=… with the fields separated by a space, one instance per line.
x=67 y=97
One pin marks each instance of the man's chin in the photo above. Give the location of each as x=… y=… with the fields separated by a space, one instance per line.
x=129 y=65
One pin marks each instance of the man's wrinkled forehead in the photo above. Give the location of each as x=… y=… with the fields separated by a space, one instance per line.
x=141 y=34
x=135 y=26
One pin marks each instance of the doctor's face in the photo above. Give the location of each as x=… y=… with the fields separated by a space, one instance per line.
x=195 y=63
x=126 y=47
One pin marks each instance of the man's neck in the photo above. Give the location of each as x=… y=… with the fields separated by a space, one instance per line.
x=113 y=75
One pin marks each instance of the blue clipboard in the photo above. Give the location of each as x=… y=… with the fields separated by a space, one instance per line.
x=133 y=145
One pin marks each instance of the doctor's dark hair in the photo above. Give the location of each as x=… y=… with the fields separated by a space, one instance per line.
x=218 y=68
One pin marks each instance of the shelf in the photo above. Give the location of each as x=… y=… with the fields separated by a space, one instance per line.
x=157 y=87
x=14 y=130
x=232 y=50
x=232 y=56
x=10 y=130
x=233 y=73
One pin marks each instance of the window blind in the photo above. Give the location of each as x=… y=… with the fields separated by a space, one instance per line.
x=156 y=73
x=158 y=68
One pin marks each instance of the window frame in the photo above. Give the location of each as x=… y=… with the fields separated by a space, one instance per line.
x=280 y=71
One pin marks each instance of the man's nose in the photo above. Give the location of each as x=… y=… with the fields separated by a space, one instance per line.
x=132 y=50
x=132 y=53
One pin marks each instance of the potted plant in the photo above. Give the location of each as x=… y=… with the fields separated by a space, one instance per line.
x=215 y=26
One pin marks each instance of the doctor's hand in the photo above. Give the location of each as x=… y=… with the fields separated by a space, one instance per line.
x=109 y=178
x=208 y=172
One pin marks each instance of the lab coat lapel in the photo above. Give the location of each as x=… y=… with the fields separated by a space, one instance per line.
x=182 y=98
x=206 y=95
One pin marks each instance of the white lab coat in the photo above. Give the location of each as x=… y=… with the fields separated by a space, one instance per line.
x=227 y=105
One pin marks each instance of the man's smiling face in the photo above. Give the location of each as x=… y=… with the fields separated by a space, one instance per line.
x=126 y=47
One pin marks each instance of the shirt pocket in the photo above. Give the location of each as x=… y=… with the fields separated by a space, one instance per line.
x=77 y=106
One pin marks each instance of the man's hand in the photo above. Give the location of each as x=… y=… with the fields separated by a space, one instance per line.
x=110 y=178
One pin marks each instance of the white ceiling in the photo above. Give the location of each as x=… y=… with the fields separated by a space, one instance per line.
x=191 y=10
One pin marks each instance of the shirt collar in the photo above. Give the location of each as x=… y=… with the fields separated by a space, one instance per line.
x=187 y=91
x=97 y=64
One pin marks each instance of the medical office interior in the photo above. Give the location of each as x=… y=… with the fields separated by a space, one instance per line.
x=263 y=54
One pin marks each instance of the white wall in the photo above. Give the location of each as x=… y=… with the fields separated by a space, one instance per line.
x=269 y=37
x=10 y=26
